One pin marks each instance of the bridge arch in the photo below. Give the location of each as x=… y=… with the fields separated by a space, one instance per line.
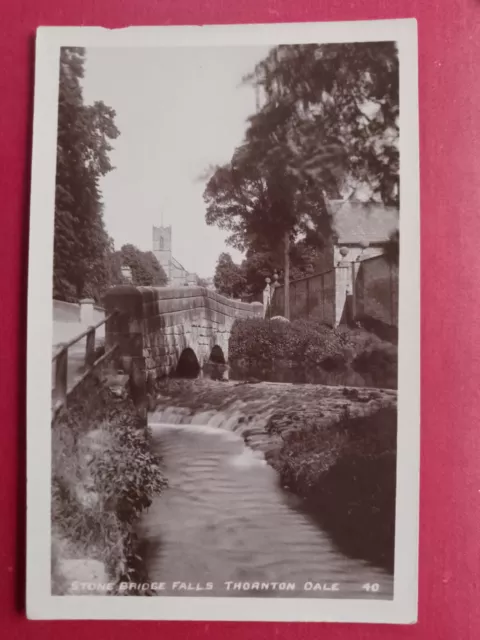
x=188 y=365
x=159 y=330
x=217 y=356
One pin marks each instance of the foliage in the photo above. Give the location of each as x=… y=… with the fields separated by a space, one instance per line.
x=249 y=277
x=146 y=270
x=346 y=471
x=229 y=279
x=328 y=128
x=103 y=476
x=345 y=95
x=299 y=340
x=308 y=351
x=380 y=357
x=82 y=246
x=305 y=260
x=258 y=206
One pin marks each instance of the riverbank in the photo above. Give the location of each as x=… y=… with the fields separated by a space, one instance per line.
x=103 y=476
x=335 y=447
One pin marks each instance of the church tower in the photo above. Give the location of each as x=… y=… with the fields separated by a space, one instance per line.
x=162 y=248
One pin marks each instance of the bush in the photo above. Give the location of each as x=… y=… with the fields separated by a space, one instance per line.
x=346 y=471
x=379 y=363
x=308 y=351
x=103 y=476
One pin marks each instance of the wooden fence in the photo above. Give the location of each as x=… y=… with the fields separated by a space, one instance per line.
x=376 y=291
x=65 y=381
x=364 y=291
x=310 y=297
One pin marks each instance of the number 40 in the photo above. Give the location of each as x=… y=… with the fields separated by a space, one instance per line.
x=371 y=587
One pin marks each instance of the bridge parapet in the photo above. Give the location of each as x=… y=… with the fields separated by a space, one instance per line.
x=155 y=326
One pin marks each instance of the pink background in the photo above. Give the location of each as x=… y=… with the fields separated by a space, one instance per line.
x=449 y=44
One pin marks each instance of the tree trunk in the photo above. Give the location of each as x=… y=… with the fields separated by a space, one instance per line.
x=286 y=286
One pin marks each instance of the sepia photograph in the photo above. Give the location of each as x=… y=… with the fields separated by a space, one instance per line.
x=224 y=278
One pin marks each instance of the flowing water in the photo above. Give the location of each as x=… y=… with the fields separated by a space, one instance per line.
x=226 y=527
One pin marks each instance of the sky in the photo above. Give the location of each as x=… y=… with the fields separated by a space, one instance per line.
x=179 y=111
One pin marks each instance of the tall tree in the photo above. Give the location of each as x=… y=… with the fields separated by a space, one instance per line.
x=328 y=127
x=259 y=265
x=146 y=270
x=229 y=279
x=340 y=94
x=82 y=247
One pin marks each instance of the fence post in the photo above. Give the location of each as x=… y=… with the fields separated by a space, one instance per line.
x=267 y=298
x=392 y=318
x=90 y=348
x=322 y=294
x=308 y=296
x=258 y=310
x=354 y=292
x=61 y=369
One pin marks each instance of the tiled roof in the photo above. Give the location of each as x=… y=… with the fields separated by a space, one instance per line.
x=355 y=221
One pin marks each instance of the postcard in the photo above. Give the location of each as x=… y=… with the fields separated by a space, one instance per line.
x=223 y=323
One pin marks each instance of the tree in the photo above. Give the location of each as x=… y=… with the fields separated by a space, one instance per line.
x=259 y=265
x=264 y=210
x=82 y=247
x=328 y=127
x=146 y=270
x=337 y=94
x=229 y=279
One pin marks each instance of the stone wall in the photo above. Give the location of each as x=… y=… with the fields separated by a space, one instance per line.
x=65 y=311
x=155 y=325
x=85 y=312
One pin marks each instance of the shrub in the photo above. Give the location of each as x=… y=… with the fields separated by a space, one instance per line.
x=346 y=470
x=309 y=351
x=379 y=364
x=103 y=475
x=266 y=340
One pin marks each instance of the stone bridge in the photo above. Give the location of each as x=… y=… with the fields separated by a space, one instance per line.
x=161 y=331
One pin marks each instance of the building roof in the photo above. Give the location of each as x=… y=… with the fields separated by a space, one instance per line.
x=177 y=264
x=355 y=222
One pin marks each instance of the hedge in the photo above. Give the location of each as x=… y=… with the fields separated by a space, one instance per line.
x=308 y=351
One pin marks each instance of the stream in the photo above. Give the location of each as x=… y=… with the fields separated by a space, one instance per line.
x=225 y=526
